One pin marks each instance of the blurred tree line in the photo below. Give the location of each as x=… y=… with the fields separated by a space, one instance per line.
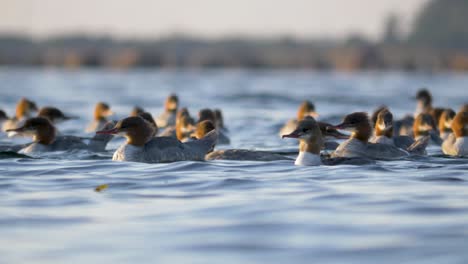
x=438 y=41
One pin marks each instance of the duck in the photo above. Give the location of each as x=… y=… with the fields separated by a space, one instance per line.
x=256 y=155
x=311 y=140
x=208 y=114
x=425 y=126
x=45 y=138
x=25 y=109
x=168 y=117
x=456 y=143
x=54 y=114
x=358 y=145
x=306 y=108
x=141 y=146
x=383 y=131
x=101 y=112
x=445 y=123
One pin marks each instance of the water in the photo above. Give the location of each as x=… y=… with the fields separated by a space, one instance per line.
x=408 y=211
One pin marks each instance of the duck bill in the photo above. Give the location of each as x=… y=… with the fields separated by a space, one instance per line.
x=294 y=134
x=336 y=134
x=342 y=126
x=17 y=130
x=112 y=131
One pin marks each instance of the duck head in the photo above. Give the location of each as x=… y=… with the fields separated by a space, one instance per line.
x=423 y=125
x=39 y=128
x=25 y=108
x=309 y=134
x=384 y=124
x=102 y=111
x=54 y=114
x=460 y=125
x=424 y=101
x=306 y=108
x=203 y=128
x=135 y=129
x=358 y=124
x=172 y=103
x=445 y=121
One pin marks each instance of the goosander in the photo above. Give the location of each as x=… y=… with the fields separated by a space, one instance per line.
x=358 y=145
x=168 y=118
x=424 y=125
x=45 y=138
x=141 y=146
x=306 y=108
x=208 y=114
x=384 y=132
x=457 y=143
x=54 y=114
x=255 y=155
x=101 y=112
x=445 y=123
x=311 y=142
x=24 y=110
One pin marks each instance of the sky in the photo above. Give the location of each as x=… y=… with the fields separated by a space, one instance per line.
x=205 y=18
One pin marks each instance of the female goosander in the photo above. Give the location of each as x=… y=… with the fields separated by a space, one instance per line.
x=457 y=143
x=208 y=114
x=141 y=146
x=24 y=110
x=311 y=141
x=168 y=118
x=424 y=125
x=54 y=114
x=45 y=139
x=306 y=108
x=383 y=132
x=255 y=155
x=101 y=112
x=358 y=145
x=445 y=123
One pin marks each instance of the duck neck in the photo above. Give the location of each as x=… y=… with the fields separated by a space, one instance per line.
x=312 y=146
x=45 y=135
x=140 y=136
x=363 y=133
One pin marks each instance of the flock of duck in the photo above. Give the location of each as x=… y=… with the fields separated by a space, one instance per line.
x=176 y=136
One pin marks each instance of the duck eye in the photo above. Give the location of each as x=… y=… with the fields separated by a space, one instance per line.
x=305 y=130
